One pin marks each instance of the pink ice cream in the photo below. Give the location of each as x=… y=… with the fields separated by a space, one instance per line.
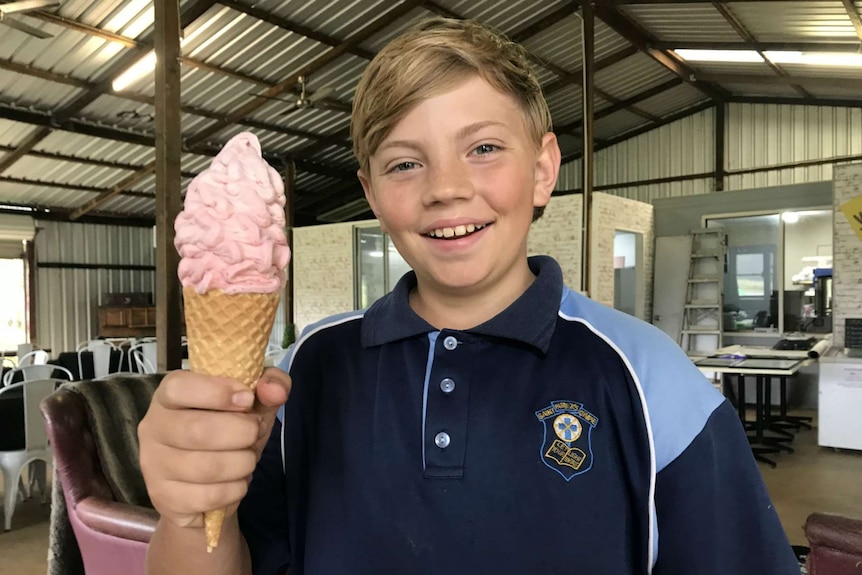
x=230 y=234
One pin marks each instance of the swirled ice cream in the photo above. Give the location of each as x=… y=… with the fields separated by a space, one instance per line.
x=230 y=234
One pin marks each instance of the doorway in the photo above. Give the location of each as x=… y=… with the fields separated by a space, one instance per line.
x=629 y=272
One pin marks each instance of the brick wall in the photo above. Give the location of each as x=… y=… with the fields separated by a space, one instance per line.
x=846 y=252
x=323 y=255
x=322 y=272
x=558 y=234
x=612 y=213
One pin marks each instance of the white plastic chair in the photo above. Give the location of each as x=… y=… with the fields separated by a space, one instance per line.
x=101 y=350
x=35 y=357
x=144 y=355
x=12 y=463
x=36 y=372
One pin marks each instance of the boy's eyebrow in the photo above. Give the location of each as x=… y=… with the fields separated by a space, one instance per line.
x=473 y=128
x=462 y=133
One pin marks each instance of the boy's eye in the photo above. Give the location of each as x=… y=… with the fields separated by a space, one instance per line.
x=403 y=167
x=485 y=149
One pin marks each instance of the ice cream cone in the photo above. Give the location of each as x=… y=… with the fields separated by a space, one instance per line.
x=228 y=335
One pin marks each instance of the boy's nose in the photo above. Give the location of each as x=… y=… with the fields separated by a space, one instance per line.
x=448 y=182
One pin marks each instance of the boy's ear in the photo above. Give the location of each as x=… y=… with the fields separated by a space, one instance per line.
x=547 y=170
x=369 y=196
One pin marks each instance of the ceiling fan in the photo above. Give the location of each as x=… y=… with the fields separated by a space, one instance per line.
x=22 y=7
x=305 y=100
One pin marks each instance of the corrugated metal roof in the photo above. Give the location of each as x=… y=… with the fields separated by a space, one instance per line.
x=239 y=43
x=336 y=19
x=380 y=39
x=59 y=142
x=631 y=76
x=761 y=89
x=673 y=100
x=508 y=16
x=29 y=91
x=130 y=205
x=566 y=105
x=795 y=21
x=12 y=133
x=35 y=195
x=755 y=68
x=682 y=22
x=48 y=170
x=618 y=123
x=562 y=44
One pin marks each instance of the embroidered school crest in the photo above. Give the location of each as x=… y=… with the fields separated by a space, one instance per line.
x=568 y=427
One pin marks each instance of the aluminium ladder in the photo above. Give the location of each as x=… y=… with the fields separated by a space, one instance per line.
x=702 y=312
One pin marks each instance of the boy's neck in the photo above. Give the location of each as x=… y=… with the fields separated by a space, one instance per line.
x=466 y=309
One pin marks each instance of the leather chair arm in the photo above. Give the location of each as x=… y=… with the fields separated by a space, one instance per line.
x=118 y=519
x=835 y=532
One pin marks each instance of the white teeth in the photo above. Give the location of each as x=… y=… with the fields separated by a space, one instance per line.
x=455 y=232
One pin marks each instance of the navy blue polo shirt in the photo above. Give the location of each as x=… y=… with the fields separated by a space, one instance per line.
x=559 y=436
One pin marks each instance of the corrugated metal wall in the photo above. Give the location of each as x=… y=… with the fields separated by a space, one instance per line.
x=757 y=136
x=766 y=135
x=67 y=299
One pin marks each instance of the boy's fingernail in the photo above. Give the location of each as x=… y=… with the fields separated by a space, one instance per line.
x=243 y=399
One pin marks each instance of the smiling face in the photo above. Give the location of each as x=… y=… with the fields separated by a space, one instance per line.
x=454 y=184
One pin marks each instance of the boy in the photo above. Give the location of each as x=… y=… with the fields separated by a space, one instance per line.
x=481 y=418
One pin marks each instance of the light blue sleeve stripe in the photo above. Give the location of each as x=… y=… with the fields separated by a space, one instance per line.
x=432 y=341
x=679 y=398
x=676 y=398
x=287 y=361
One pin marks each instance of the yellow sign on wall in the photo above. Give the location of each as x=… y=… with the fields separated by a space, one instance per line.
x=853 y=212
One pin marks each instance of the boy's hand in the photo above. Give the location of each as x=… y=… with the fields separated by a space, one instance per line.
x=201 y=439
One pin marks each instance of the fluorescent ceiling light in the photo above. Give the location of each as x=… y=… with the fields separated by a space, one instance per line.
x=719 y=55
x=135 y=72
x=837 y=59
x=790 y=217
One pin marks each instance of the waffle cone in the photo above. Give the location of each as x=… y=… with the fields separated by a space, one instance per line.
x=228 y=336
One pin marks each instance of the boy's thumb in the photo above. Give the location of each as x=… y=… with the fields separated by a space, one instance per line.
x=272 y=389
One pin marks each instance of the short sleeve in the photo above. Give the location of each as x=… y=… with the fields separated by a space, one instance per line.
x=714 y=514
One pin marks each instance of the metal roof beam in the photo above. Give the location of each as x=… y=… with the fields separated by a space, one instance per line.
x=286 y=24
x=743 y=32
x=647 y=128
x=822 y=45
x=644 y=41
x=143 y=46
x=544 y=23
x=87 y=161
x=654 y=91
x=318 y=63
x=567 y=78
x=853 y=14
x=191 y=12
x=69 y=81
x=791 y=101
x=814 y=81
x=75 y=187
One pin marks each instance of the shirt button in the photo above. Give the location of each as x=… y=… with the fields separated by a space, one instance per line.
x=450 y=343
x=447 y=385
x=442 y=440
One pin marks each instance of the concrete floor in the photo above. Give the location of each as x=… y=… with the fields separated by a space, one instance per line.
x=811 y=479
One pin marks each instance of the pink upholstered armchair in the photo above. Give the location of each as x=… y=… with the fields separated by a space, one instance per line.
x=111 y=534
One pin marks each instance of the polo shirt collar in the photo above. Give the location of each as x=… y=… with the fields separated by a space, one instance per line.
x=530 y=319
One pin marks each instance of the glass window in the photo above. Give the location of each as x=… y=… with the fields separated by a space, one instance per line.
x=750 y=280
x=378 y=265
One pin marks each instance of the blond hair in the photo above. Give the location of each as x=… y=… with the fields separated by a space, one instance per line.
x=434 y=57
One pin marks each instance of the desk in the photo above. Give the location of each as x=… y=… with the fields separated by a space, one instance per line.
x=763 y=369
